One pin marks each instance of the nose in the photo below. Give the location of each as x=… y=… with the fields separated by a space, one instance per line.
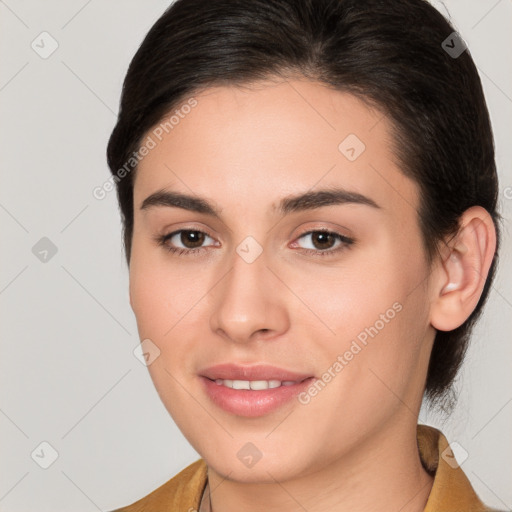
x=249 y=302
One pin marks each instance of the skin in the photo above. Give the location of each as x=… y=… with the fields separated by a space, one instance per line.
x=353 y=446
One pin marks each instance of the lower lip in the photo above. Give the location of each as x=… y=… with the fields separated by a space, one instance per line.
x=252 y=403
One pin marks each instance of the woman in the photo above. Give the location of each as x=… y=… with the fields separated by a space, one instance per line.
x=308 y=191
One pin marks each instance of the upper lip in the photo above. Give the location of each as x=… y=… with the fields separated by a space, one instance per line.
x=230 y=371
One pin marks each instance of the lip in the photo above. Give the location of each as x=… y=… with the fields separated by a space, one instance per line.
x=254 y=372
x=252 y=403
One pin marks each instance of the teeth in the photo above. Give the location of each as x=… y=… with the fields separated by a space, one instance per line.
x=255 y=385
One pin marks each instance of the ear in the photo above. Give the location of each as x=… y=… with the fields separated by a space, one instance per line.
x=460 y=278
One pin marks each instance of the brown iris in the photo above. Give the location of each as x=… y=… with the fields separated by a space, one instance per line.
x=326 y=240
x=192 y=239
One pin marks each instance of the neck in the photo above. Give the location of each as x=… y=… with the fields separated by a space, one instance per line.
x=385 y=474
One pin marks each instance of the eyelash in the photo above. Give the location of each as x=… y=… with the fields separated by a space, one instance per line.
x=346 y=242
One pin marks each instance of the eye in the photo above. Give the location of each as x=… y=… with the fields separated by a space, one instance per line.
x=188 y=241
x=191 y=241
x=323 y=242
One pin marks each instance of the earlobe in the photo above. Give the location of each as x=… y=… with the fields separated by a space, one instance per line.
x=461 y=276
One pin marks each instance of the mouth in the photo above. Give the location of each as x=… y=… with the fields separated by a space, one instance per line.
x=252 y=391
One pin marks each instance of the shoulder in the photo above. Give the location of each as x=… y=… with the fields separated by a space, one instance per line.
x=181 y=492
x=451 y=490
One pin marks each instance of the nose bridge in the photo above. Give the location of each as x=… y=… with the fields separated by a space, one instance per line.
x=246 y=300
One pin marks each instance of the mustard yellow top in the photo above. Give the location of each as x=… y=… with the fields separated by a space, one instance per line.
x=451 y=491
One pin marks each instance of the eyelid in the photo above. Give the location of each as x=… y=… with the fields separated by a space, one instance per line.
x=168 y=231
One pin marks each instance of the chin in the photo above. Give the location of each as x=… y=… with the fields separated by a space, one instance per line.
x=268 y=469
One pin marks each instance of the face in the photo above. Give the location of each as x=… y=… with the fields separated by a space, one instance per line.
x=304 y=254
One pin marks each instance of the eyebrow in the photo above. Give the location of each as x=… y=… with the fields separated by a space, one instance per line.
x=306 y=201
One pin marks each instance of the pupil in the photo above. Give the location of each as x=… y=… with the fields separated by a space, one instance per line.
x=195 y=237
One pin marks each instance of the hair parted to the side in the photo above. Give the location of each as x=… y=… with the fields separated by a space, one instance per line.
x=388 y=53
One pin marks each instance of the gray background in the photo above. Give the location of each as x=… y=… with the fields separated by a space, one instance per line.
x=68 y=373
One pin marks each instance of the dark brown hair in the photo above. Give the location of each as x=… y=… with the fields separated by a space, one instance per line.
x=388 y=53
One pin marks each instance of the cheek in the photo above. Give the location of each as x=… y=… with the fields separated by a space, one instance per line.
x=163 y=300
x=376 y=310
x=353 y=295
x=162 y=294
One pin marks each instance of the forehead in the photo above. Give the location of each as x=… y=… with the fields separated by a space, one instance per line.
x=261 y=141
